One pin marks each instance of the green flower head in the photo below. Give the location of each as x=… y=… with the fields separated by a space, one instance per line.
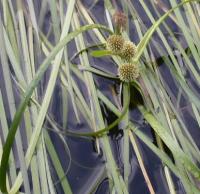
x=128 y=72
x=129 y=50
x=115 y=43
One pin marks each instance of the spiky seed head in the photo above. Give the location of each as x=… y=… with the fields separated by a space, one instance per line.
x=129 y=50
x=115 y=43
x=128 y=72
x=120 y=20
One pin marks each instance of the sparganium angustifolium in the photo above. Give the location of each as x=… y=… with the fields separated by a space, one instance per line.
x=120 y=21
x=128 y=72
x=115 y=43
x=129 y=50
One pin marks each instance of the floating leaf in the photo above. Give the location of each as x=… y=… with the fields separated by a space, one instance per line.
x=145 y=40
x=24 y=102
x=170 y=142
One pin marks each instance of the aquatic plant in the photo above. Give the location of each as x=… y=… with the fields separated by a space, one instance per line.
x=115 y=43
x=25 y=43
x=128 y=72
x=120 y=21
x=129 y=51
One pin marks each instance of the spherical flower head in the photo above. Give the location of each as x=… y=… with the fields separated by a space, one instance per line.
x=120 y=20
x=129 y=50
x=128 y=72
x=115 y=43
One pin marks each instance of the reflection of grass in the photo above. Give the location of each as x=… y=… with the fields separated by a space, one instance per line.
x=22 y=50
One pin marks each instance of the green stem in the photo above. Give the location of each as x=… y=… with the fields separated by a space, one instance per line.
x=109 y=127
x=100 y=72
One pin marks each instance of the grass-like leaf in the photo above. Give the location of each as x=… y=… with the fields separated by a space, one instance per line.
x=145 y=40
x=101 y=132
x=100 y=53
x=18 y=115
x=171 y=143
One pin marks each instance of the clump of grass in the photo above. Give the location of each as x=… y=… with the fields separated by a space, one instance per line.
x=170 y=131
